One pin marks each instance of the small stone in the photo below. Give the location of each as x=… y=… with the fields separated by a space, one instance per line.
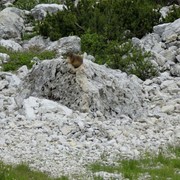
x=168 y=109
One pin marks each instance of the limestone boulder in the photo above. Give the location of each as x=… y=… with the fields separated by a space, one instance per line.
x=90 y=88
x=11 y=24
x=36 y=42
x=40 y=11
x=66 y=44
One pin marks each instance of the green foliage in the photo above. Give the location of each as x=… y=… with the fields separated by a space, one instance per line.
x=29 y=4
x=23 y=172
x=158 y=167
x=131 y=60
x=59 y=25
x=108 y=18
x=173 y=15
x=18 y=59
x=93 y=43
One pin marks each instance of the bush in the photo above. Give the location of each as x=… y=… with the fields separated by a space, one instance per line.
x=93 y=43
x=59 y=25
x=130 y=59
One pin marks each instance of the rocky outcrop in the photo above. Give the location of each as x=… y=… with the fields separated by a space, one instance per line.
x=90 y=88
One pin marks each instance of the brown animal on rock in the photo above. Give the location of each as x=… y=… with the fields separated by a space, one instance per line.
x=74 y=60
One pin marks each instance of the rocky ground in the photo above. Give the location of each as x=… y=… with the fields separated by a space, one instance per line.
x=59 y=120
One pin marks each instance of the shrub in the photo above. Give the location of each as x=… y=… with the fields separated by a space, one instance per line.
x=93 y=43
x=107 y=18
x=56 y=26
x=130 y=59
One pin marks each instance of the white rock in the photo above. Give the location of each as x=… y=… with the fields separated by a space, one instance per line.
x=169 y=55
x=171 y=31
x=40 y=11
x=11 y=25
x=10 y=45
x=178 y=58
x=29 y=106
x=3 y=84
x=71 y=43
x=22 y=72
x=169 y=109
x=36 y=42
x=159 y=29
x=175 y=70
x=4 y=58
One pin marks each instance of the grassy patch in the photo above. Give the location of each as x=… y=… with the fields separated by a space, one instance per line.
x=159 y=167
x=18 y=59
x=23 y=172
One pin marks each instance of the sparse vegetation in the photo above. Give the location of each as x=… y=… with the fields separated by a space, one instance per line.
x=162 y=166
x=18 y=59
x=23 y=172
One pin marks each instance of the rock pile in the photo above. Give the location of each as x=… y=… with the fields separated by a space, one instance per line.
x=59 y=119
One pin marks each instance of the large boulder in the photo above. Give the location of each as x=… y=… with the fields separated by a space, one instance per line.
x=40 y=11
x=37 y=42
x=61 y=46
x=90 y=88
x=66 y=44
x=11 y=24
x=171 y=32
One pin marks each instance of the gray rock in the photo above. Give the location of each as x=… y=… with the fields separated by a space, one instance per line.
x=90 y=88
x=11 y=25
x=169 y=54
x=66 y=44
x=40 y=11
x=4 y=58
x=159 y=29
x=178 y=58
x=36 y=42
x=11 y=45
x=22 y=72
x=150 y=40
x=171 y=31
x=4 y=84
x=175 y=70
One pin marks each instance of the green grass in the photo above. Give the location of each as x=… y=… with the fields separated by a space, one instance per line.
x=160 y=167
x=18 y=59
x=23 y=172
